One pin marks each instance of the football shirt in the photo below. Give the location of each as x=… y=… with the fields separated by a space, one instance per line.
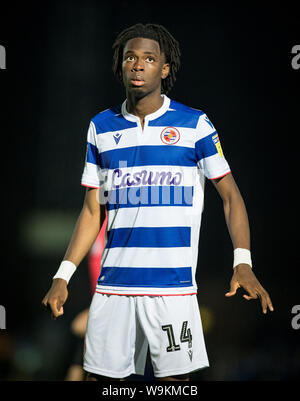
x=151 y=181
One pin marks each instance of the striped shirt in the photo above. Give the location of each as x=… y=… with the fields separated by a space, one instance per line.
x=151 y=180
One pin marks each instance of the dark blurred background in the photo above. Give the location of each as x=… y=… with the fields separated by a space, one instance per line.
x=236 y=67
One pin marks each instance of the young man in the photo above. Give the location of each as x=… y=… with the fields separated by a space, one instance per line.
x=146 y=162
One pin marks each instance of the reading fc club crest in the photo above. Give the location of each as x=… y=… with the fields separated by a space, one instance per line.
x=170 y=136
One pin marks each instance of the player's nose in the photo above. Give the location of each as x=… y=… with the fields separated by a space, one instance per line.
x=138 y=65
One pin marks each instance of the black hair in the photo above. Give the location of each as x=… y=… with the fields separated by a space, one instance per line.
x=168 y=45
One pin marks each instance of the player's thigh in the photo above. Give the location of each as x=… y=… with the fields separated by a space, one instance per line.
x=110 y=336
x=173 y=328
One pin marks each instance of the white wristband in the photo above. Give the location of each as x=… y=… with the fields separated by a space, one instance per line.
x=241 y=255
x=65 y=271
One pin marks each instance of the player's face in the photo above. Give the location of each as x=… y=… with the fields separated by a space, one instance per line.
x=143 y=66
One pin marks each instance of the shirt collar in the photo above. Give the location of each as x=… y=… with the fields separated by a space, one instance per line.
x=152 y=116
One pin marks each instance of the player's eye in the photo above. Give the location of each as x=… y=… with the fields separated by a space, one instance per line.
x=150 y=59
x=130 y=58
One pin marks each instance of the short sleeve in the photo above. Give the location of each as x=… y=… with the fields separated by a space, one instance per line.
x=91 y=176
x=209 y=154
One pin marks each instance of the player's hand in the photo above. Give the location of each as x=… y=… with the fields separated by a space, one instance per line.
x=244 y=277
x=56 y=297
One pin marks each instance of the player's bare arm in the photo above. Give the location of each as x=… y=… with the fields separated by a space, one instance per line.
x=84 y=235
x=238 y=227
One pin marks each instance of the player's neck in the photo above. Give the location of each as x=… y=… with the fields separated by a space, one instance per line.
x=141 y=107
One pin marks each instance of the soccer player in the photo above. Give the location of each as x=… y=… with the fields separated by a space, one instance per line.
x=146 y=163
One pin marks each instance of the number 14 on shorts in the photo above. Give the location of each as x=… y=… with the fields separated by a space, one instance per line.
x=185 y=336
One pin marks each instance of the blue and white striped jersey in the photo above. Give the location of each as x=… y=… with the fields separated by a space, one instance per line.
x=152 y=183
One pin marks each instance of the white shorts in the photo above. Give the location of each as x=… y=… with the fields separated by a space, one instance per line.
x=120 y=328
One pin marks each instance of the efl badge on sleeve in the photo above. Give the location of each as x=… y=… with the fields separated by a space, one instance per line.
x=170 y=136
x=217 y=143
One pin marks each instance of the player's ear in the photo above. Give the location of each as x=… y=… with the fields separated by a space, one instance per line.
x=165 y=70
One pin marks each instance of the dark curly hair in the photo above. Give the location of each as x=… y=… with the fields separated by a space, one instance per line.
x=168 y=45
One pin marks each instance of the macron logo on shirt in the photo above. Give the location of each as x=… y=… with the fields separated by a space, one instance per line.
x=117 y=137
x=208 y=122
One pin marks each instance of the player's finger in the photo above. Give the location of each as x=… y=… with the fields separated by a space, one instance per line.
x=252 y=293
x=266 y=302
x=234 y=285
x=53 y=306
x=46 y=304
x=57 y=313
x=270 y=305
x=248 y=297
x=59 y=310
x=45 y=301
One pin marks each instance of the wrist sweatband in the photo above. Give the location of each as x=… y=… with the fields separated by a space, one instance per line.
x=241 y=255
x=65 y=271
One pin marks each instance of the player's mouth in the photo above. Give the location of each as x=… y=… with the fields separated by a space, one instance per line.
x=137 y=82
